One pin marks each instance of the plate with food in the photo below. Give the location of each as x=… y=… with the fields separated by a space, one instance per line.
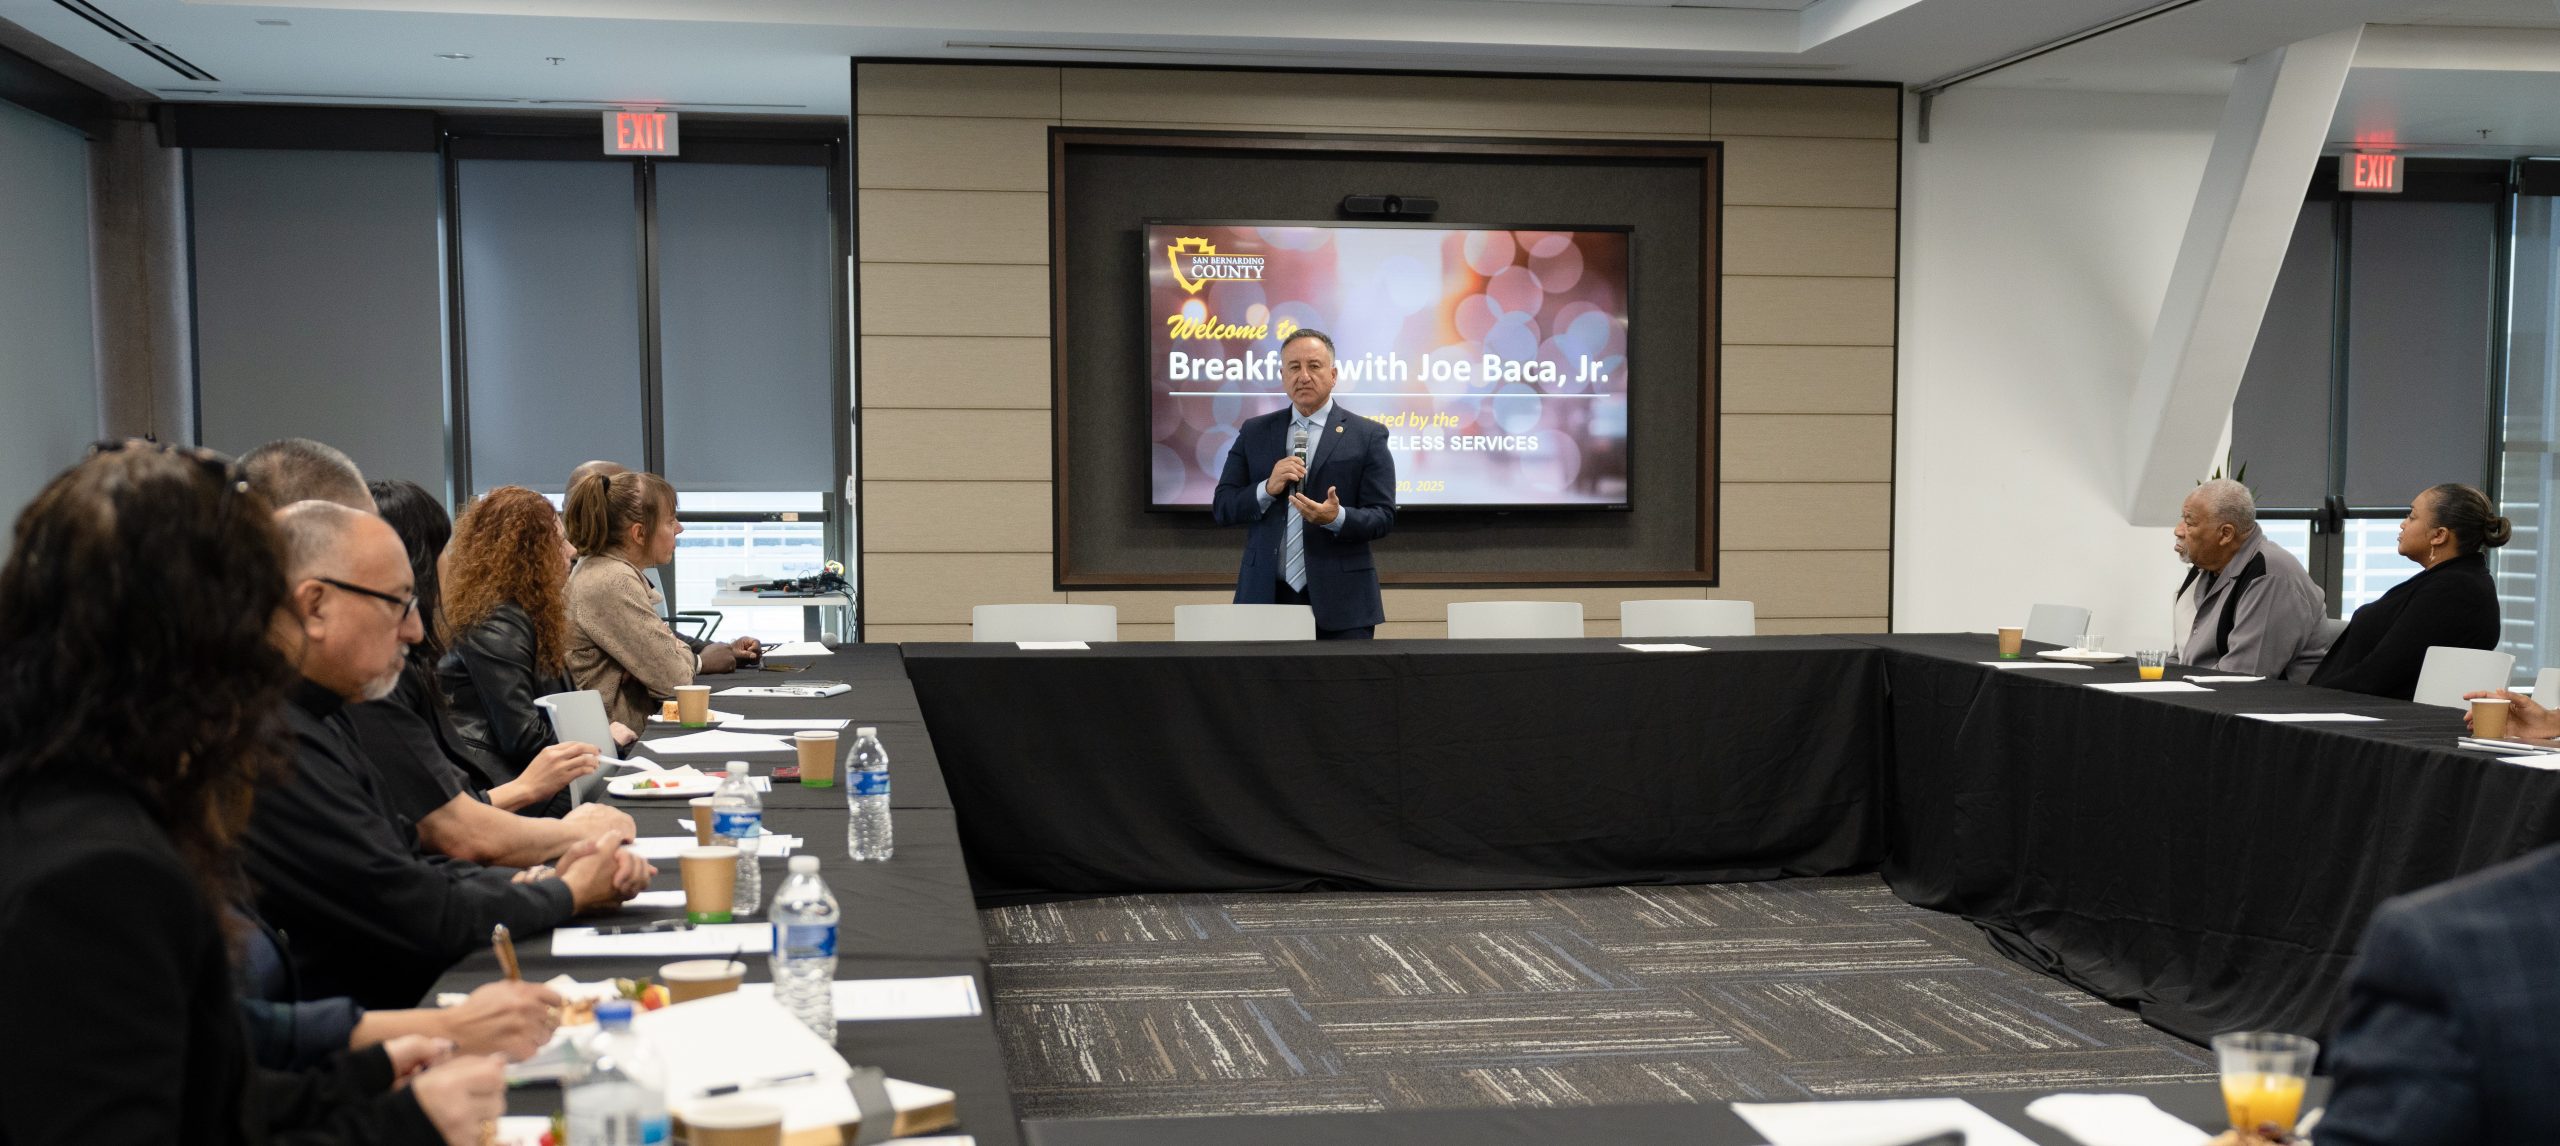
x=663 y=784
x=2082 y=656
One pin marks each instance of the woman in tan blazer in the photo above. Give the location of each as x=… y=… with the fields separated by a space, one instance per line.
x=619 y=645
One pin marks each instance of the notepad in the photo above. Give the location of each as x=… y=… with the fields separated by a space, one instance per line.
x=799 y=649
x=740 y=1038
x=2049 y=666
x=803 y=690
x=707 y=939
x=2547 y=761
x=1882 y=1122
x=717 y=742
x=2150 y=686
x=866 y=1000
x=1666 y=648
x=768 y=846
x=2308 y=717
x=1051 y=645
x=817 y=722
x=2224 y=680
x=2114 y=1120
x=649 y=899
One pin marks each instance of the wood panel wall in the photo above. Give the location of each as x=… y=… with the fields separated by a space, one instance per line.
x=952 y=312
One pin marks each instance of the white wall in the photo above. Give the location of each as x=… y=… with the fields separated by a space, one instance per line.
x=48 y=363
x=2039 y=228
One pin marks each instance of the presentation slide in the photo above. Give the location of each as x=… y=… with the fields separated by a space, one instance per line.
x=1496 y=357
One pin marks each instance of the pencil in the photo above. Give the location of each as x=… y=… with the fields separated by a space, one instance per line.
x=505 y=945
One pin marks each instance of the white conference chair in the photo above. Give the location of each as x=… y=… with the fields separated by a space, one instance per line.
x=2063 y=625
x=1679 y=618
x=2449 y=672
x=1244 y=623
x=2546 y=688
x=579 y=716
x=1004 y=624
x=1482 y=620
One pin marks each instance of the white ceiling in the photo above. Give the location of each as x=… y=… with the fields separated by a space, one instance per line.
x=788 y=56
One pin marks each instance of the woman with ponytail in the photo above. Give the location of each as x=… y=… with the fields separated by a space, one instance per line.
x=2453 y=601
x=618 y=644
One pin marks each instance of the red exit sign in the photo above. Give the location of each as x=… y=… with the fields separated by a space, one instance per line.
x=639 y=133
x=2365 y=171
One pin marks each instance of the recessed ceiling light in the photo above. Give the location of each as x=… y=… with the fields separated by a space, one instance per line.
x=276 y=23
x=453 y=55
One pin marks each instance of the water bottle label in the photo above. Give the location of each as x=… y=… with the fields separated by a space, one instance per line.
x=871 y=783
x=735 y=825
x=806 y=938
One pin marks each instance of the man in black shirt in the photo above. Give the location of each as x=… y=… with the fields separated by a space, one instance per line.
x=365 y=914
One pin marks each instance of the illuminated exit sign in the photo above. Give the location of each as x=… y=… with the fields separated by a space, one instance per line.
x=639 y=133
x=2364 y=171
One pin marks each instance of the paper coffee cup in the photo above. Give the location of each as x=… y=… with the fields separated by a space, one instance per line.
x=701 y=978
x=693 y=705
x=733 y=1122
x=710 y=883
x=2011 y=639
x=2489 y=717
x=817 y=759
x=702 y=819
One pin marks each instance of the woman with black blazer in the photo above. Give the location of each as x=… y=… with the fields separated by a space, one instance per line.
x=2453 y=601
x=138 y=696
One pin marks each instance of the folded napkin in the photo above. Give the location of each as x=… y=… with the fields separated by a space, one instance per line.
x=2114 y=1120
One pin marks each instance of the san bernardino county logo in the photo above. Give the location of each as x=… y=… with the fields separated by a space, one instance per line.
x=1197 y=264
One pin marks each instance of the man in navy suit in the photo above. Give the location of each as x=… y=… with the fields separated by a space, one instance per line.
x=2452 y=1031
x=1302 y=551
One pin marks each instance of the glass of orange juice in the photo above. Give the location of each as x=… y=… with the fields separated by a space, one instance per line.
x=2153 y=664
x=2263 y=1073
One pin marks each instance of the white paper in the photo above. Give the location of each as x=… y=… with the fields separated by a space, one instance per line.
x=2225 y=679
x=799 y=649
x=706 y=939
x=2114 y=1120
x=657 y=898
x=717 y=742
x=522 y=1129
x=1051 y=645
x=2308 y=717
x=1666 y=648
x=1884 y=1122
x=802 y=691
x=716 y=716
x=2045 y=665
x=2547 y=761
x=821 y=723
x=768 y=846
x=2151 y=686
x=863 y=1000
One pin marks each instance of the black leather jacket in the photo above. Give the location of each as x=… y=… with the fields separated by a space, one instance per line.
x=489 y=678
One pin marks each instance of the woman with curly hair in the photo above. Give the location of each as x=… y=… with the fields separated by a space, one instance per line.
x=139 y=700
x=506 y=621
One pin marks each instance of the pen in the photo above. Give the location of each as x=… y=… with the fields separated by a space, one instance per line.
x=2488 y=743
x=777 y=1080
x=505 y=945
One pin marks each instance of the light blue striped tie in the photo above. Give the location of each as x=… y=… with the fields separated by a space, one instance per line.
x=1293 y=542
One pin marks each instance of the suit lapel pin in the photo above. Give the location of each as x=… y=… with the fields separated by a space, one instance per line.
x=1337 y=429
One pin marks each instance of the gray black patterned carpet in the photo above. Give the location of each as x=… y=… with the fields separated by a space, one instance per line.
x=1162 y=1005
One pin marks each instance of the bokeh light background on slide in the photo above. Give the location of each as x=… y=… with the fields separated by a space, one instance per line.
x=1415 y=293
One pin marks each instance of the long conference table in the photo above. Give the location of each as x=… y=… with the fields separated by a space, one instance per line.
x=2160 y=850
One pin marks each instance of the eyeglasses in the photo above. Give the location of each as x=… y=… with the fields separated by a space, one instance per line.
x=408 y=605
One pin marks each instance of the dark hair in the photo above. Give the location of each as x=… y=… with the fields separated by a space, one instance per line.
x=134 y=652
x=288 y=470
x=2468 y=513
x=601 y=506
x=1309 y=332
x=419 y=518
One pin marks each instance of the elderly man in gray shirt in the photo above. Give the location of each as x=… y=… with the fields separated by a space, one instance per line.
x=2247 y=606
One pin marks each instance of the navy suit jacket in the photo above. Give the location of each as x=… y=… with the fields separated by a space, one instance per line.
x=2452 y=1030
x=1342 y=578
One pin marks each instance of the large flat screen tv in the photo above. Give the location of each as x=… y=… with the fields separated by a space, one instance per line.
x=1496 y=356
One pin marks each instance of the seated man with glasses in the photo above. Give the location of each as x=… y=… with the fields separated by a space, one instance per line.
x=370 y=917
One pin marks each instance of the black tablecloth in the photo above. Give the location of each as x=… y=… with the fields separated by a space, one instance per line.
x=878 y=695
x=2160 y=850
x=1404 y=765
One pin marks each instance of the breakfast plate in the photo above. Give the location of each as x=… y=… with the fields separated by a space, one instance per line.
x=2082 y=656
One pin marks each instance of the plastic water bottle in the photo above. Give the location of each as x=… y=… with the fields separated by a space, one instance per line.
x=866 y=833
x=737 y=818
x=804 y=947
x=606 y=1102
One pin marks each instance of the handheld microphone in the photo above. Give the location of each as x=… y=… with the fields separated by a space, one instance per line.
x=1298 y=450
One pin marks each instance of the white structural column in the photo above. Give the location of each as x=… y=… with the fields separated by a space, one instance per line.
x=2271 y=135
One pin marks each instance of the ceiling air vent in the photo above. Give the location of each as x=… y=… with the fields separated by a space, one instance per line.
x=141 y=43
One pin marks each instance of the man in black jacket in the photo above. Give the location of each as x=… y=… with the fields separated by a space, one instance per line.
x=366 y=914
